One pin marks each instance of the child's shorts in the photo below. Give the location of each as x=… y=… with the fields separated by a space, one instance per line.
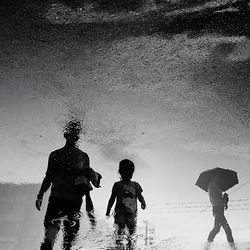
x=125 y=219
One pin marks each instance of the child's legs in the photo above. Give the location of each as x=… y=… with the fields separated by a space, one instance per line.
x=119 y=229
x=131 y=223
x=120 y=222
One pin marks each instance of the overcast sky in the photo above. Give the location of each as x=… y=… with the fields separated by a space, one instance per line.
x=176 y=106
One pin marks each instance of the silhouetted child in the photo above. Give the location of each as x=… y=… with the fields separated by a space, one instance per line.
x=126 y=193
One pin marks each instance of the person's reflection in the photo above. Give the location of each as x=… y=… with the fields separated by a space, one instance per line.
x=60 y=214
x=90 y=209
x=69 y=173
x=125 y=193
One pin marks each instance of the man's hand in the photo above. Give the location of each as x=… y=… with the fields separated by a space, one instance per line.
x=143 y=206
x=39 y=204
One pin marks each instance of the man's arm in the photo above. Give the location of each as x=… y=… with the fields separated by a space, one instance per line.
x=49 y=177
x=94 y=177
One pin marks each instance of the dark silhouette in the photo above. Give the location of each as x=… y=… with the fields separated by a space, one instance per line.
x=126 y=193
x=70 y=174
x=219 y=203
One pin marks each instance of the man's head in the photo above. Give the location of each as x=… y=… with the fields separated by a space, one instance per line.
x=71 y=137
x=72 y=131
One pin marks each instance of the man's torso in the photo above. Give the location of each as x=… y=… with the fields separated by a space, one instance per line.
x=66 y=165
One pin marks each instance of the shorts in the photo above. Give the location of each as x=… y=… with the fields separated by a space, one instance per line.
x=59 y=207
x=125 y=219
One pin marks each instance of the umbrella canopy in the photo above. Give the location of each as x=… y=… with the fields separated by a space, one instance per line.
x=226 y=178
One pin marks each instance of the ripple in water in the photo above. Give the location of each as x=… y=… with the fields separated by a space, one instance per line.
x=69 y=216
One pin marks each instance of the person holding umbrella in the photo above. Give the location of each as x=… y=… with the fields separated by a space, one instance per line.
x=219 y=206
x=215 y=181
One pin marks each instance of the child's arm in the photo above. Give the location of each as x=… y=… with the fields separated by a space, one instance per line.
x=142 y=201
x=112 y=199
x=110 y=203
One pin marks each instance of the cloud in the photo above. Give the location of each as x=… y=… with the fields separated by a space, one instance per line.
x=139 y=90
x=181 y=90
x=241 y=51
x=117 y=150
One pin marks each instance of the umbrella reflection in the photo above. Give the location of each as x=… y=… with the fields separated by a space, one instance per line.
x=226 y=178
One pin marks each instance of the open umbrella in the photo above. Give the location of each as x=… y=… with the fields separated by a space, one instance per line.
x=226 y=178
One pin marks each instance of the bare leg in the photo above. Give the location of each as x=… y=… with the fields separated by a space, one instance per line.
x=90 y=209
x=120 y=228
x=131 y=224
x=89 y=203
x=219 y=221
x=50 y=225
x=50 y=236
x=214 y=231
x=228 y=232
x=71 y=228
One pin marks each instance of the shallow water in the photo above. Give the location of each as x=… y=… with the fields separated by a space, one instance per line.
x=159 y=226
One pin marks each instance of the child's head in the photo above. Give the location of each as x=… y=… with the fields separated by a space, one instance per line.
x=126 y=169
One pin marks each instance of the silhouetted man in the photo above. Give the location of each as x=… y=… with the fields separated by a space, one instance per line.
x=69 y=173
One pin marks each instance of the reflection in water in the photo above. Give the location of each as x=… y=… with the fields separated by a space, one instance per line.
x=124 y=239
x=69 y=222
x=125 y=193
x=56 y=218
x=21 y=227
x=69 y=174
x=186 y=76
x=71 y=217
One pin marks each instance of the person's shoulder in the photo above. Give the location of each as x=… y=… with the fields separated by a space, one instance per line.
x=57 y=152
x=81 y=152
x=118 y=184
x=136 y=185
